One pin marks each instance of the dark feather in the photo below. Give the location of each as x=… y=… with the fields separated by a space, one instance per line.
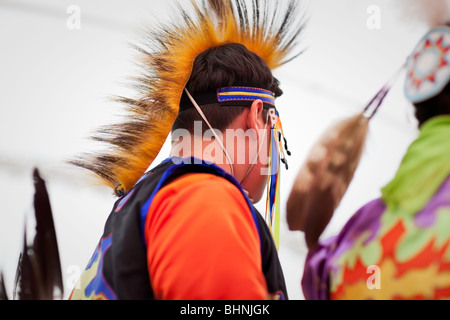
x=28 y=279
x=38 y=275
x=3 y=293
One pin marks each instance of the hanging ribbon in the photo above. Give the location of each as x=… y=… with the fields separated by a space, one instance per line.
x=276 y=155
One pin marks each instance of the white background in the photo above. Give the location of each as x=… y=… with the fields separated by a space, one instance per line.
x=55 y=83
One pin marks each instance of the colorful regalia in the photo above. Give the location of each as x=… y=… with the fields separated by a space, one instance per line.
x=398 y=246
x=186 y=229
x=141 y=233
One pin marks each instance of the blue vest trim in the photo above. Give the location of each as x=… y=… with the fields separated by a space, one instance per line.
x=180 y=163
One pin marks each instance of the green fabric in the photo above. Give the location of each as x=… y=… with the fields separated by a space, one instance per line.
x=423 y=169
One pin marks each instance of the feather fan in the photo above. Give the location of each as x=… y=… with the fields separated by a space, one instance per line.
x=327 y=172
x=324 y=178
x=329 y=168
x=267 y=28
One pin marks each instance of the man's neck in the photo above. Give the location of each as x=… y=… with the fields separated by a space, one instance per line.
x=197 y=147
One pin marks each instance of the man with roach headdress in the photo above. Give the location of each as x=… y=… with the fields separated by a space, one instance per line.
x=397 y=246
x=187 y=229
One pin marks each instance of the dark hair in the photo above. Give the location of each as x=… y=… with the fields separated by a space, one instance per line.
x=222 y=66
x=439 y=105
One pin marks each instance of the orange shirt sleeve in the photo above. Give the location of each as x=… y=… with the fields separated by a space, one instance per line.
x=203 y=243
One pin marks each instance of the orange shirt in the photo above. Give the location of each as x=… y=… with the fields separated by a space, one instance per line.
x=203 y=243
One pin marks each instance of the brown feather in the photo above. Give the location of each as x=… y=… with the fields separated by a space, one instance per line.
x=325 y=176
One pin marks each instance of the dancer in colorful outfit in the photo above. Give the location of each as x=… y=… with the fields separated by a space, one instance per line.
x=398 y=246
x=187 y=229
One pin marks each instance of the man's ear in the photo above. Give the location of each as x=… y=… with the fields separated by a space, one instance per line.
x=255 y=117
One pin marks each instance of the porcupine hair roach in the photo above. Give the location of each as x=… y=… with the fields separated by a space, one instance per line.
x=268 y=28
